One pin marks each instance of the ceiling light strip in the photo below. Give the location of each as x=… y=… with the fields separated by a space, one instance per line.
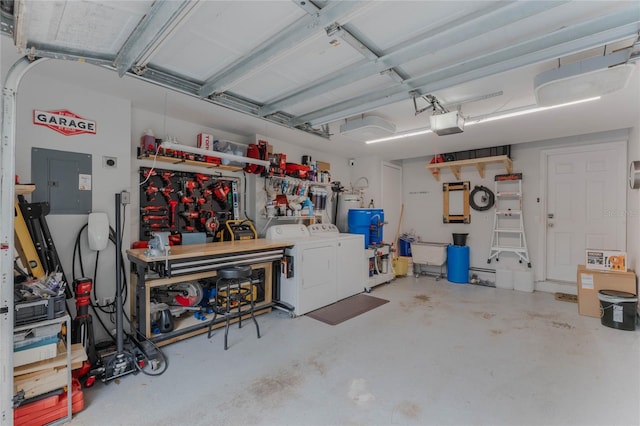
x=530 y=109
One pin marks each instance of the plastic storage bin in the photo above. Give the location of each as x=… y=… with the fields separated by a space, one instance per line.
x=39 y=310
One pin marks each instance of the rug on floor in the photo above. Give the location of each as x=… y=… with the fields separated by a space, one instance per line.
x=564 y=297
x=346 y=309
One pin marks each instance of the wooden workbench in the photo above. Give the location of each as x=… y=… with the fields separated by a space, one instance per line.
x=197 y=262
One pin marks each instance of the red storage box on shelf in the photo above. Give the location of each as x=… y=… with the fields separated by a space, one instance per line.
x=297 y=170
x=49 y=409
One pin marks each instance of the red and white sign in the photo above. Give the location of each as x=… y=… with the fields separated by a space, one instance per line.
x=64 y=121
x=205 y=141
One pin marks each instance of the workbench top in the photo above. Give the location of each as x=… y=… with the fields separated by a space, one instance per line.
x=211 y=249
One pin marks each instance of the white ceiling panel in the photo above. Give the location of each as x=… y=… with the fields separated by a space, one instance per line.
x=92 y=26
x=305 y=64
x=309 y=62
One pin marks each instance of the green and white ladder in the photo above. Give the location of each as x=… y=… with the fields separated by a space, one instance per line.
x=508 y=225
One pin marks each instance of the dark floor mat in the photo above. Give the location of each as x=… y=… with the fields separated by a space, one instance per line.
x=566 y=297
x=346 y=309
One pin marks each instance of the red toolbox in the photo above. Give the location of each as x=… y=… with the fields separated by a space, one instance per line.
x=49 y=409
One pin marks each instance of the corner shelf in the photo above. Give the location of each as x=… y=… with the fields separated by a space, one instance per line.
x=456 y=166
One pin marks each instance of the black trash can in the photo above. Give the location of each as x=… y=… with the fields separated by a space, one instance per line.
x=460 y=239
x=618 y=309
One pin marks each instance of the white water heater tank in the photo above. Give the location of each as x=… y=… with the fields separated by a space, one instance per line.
x=346 y=201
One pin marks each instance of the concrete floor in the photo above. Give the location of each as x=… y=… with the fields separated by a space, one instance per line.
x=438 y=353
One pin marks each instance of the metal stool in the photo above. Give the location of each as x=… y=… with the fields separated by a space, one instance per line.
x=231 y=293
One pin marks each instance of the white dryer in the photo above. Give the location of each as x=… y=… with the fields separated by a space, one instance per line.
x=309 y=282
x=352 y=269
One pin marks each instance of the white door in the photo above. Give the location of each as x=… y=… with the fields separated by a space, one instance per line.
x=391 y=201
x=586 y=202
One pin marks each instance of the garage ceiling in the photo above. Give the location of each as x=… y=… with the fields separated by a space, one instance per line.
x=298 y=70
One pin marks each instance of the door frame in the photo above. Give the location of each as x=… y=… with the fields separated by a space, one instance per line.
x=385 y=202
x=541 y=268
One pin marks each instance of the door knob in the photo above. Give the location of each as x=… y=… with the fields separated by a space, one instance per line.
x=550 y=215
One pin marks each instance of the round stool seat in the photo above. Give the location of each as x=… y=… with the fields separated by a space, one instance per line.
x=235 y=272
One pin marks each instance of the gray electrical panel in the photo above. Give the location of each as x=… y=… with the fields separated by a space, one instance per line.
x=62 y=179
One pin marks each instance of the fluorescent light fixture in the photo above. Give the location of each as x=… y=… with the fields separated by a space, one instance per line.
x=530 y=109
x=230 y=157
x=401 y=136
x=526 y=110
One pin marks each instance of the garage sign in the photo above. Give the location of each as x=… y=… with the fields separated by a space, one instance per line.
x=64 y=121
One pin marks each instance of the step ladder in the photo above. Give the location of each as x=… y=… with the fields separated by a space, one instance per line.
x=508 y=225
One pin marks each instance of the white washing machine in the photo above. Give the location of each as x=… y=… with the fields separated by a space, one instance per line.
x=309 y=283
x=352 y=270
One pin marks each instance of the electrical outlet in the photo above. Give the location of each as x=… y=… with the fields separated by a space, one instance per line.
x=125 y=197
x=109 y=162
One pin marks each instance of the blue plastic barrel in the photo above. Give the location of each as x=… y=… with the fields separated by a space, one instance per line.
x=458 y=264
x=376 y=226
x=359 y=221
x=367 y=222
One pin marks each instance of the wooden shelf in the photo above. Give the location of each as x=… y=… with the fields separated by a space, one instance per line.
x=480 y=163
x=24 y=189
x=174 y=160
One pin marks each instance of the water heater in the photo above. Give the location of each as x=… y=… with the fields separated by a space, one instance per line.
x=346 y=201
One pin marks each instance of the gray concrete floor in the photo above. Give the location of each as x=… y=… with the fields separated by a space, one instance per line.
x=438 y=353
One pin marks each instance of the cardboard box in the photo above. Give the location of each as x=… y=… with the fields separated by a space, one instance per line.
x=590 y=282
x=35 y=354
x=606 y=260
x=205 y=141
x=323 y=167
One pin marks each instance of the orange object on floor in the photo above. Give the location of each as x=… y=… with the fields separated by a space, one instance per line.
x=49 y=409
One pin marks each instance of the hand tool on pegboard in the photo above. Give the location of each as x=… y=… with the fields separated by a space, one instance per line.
x=173 y=204
x=151 y=190
x=154 y=210
x=201 y=179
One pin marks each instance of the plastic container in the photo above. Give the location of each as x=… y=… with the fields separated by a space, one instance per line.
x=460 y=239
x=618 y=309
x=458 y=264
x=401 y=266
x=404 y=244
x=39 y=310
x=148 y=141
x=367 y=222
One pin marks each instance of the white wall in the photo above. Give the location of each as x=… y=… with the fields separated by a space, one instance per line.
x=423 y=200
x=633 y=205
x=258 y=196
x=113 y=121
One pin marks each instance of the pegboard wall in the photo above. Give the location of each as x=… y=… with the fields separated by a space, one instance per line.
x=185 y=202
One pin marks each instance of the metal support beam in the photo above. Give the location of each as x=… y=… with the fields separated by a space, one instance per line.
x=458 y=31
x=156 y=26
x=7 y=196
x=566 y=41
x=297 y=33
